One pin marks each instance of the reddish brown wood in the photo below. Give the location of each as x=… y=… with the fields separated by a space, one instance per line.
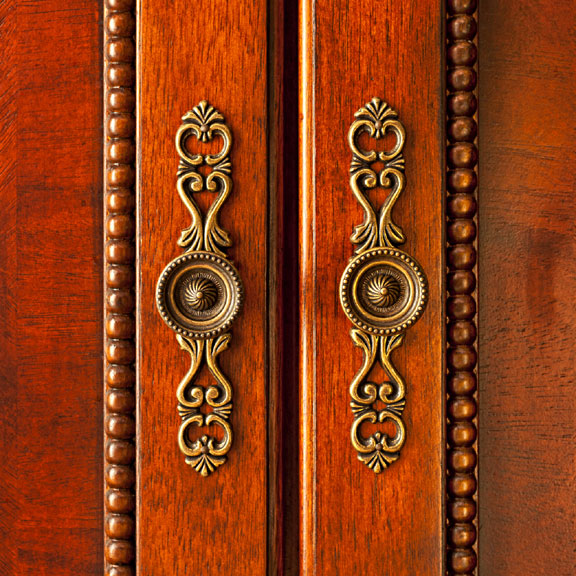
x=51 y=288
x=461 y=308
x=225 y=523
x=527 y=313
x=353 y=521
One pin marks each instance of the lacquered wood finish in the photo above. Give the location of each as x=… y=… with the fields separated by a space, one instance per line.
x=51 y=288
x=225 y=523
x=353 y=521
x=461 y=285
x=120 y=282
x=527 y=312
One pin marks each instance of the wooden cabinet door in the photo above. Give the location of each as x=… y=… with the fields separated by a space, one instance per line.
x=286 y=289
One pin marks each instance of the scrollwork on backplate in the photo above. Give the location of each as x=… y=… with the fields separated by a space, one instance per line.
x=383 y=290
x=377 y=119
x=199 y=293
x=204 y=122
x=379 y=450
x=206 y=453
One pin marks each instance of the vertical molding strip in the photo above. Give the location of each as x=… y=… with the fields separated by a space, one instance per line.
x=461 y=213
x=120 y=374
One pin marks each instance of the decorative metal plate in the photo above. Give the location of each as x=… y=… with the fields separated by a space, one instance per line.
x=383 y=290
x=199 y=294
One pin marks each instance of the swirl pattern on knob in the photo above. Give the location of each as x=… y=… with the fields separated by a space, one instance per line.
x=200 y=293
x=383 y=290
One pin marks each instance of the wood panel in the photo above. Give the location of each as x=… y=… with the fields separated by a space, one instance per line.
x=527 y=286
x=354 y=521
x=224 y=523
x=51 y=288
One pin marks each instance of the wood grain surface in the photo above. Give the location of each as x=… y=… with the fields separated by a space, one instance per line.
x=51 y=288
x=527 y=287
x=225 y=523
x=353 y=521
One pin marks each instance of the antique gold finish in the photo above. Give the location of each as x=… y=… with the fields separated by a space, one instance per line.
x=199 y=294
x=383 y=290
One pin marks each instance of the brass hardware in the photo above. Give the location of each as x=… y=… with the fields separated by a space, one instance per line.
x=383 y=290
x=199 y=294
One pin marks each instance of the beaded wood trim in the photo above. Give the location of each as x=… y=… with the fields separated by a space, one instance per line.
x=461 y=356
x=120 y=350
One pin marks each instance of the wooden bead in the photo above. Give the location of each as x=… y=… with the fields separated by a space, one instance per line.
x=121 y=401
x=120 y=50
x=462 y=383
x=462 y=181
x=120 y=452
x=462 y=104
x=461 y=206
x=120 y=252
x=120 y=351
x=461 y=282
x=462 y=27
x=462 y=535
x=462 y=510
x=122 y=176
x=120 y=376
x=119 y=552
x=461 y=54
x=121 y=74
x=121 y=126
x=121 y=151
x=119 y=501
x=120 y=326
x=462 y=485
x=461 y=307
x=120 y=226
x=461 y=358
x=120 y=426
x=121 y=24
x=120 y=276
x=463 y=561
x=120 y=526
x=120 y=301
x=461 y=408
x=461 y=78
x=462 y=129
x=462 y=257
x=120 y=476
x=121 y=100
x=461 y=231
x=462 y=155
x=120 y=201
x=461 y=332
x=462 y=460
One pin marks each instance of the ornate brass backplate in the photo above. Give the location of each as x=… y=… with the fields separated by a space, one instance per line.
x=383 y=290
x=199 y=294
